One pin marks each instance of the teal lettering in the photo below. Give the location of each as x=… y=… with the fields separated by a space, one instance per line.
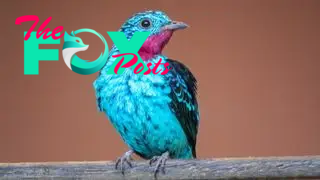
x=32 y=53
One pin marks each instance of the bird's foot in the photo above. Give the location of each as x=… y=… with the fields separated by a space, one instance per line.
x=161 y=163
x=126 y=158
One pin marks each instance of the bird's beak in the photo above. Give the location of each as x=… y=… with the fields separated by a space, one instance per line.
x=175 y=25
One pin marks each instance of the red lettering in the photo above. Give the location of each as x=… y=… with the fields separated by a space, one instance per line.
x=56 y=31
x=154 y=70
x=25 y=18
x=118 y=65
x=22 y=19
x=166 y=68
x=46 y=31
x=136 y=70
x=149 y=69
x=133 y=61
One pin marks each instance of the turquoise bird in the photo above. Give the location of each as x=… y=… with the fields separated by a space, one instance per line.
x=156 y=115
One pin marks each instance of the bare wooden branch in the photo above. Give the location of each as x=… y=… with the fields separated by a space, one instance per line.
x=228 y=168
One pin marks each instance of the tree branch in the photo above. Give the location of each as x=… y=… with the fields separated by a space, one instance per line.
x=228 y=168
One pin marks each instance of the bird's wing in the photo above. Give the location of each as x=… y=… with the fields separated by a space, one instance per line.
x=184 y=101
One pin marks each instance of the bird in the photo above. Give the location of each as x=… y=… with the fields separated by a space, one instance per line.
x=156 y=115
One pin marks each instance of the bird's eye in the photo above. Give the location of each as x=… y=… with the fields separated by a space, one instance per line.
x=145 y=23
x=77 y=41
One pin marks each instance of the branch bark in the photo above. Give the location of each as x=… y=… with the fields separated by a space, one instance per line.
x=227 y=168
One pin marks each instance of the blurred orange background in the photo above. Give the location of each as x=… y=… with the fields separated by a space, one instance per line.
x=257 y=63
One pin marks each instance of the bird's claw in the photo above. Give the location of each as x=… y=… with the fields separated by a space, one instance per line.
x=161 y=163
x=126 y=158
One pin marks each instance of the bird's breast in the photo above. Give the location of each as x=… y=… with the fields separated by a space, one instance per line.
x=138 y=108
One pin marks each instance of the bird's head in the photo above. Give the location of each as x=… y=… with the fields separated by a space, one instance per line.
x=160 y=26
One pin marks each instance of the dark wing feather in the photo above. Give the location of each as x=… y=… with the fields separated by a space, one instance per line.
x=184 y=101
